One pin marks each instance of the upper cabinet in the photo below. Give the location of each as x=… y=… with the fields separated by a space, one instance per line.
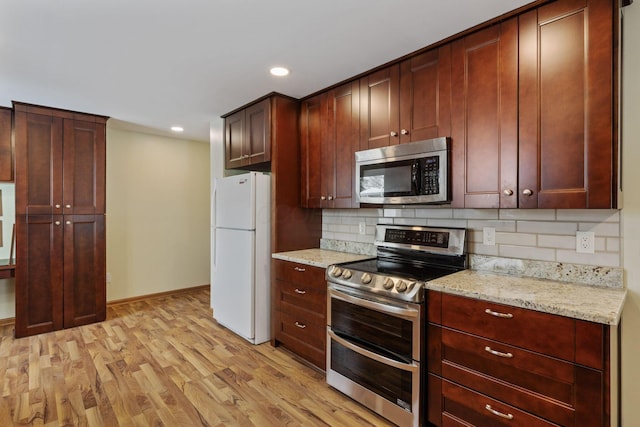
x=6 y=150
x=567 y=135
x=425 y=95
x=329 y=135
x=248 y=136
x=61 y=156
x=484 y=117
x=533 y=110
x=406 y=102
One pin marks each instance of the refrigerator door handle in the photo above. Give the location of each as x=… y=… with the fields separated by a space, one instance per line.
x=213 y=223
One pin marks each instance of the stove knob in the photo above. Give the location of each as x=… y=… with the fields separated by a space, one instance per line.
x=336 y=272
x=387 y=284
x=346 y=274
x=366 y=278
x=401 y=286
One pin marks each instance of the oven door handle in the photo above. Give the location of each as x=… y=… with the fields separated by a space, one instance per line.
x=411 y=367
x=405 y=313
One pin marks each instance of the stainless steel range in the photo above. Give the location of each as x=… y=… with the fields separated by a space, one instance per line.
x=376 y=319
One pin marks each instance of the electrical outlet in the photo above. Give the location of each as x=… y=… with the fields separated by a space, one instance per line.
x=108 y=277
x=489 y=236
x=362 y=228
x=585 y=242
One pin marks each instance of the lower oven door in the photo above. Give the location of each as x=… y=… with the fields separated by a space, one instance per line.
x=373 y=354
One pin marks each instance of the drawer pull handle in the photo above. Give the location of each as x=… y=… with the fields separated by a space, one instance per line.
x=300 y=269
x=300 y=291
x=498 y=353
x=495 y=313
x=300 y=325
x=497 y=413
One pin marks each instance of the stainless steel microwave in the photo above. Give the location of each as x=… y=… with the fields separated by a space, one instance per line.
x=417 y=172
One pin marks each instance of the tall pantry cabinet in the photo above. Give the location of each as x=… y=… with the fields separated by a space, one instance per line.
x=60 y=223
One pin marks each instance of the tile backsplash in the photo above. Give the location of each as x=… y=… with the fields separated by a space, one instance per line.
x=529 y=234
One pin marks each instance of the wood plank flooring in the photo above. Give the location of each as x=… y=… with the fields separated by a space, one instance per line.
x=163 y=362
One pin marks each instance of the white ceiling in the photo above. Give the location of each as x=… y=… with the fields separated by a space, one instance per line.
x=151 y=64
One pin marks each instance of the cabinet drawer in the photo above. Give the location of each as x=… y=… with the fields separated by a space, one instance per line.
x=302 y=333
x=462 y=407
x=293 y=272
x=524 y=379
x=304 y=296
x=544 y=333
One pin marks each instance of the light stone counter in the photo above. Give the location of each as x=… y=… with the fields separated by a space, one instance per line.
x=318 y=257
x=592 y=303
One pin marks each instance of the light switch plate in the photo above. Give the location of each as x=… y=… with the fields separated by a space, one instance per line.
x=488 y=236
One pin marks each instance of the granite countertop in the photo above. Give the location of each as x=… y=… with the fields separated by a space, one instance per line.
x=592 y=303
x=318 y=257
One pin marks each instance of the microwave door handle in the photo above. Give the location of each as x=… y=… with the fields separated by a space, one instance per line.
x=415 y=177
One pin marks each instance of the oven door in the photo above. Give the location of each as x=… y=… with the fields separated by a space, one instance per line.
x=373 y=353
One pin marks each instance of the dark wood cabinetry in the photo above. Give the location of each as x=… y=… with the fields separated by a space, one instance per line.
x=299 y=317
x=567 y=137
x=406 y=102
x=6 y=146
x=329 y=138
x=60 y=223
x=425 y=95
x=491 y=363
x=248 y=136
x=533 y=110
x=485 y=117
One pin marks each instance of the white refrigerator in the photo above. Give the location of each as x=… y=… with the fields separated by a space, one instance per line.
x=241 y=256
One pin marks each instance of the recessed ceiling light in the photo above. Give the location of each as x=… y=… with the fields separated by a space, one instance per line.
x=177 y=128
x=279 y=71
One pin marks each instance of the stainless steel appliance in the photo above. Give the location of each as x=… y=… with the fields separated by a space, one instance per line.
x=376 y=317
x=417 y=172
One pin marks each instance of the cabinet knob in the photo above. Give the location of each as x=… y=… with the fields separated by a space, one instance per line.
x=527 y=192
x=57 y=206
x=404 y=132
x=300 y=269
x=67 y=206
x=330 y=197
x=300 y=291
x=323 y=198
x=498 y=413
x=300 y=325
x=508 y=192
x=394 y=133
x=57 y=223
x=68 y=222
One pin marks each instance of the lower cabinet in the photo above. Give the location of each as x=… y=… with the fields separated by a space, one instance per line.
x=491 y=365
x=299 y=298
x=60 y=276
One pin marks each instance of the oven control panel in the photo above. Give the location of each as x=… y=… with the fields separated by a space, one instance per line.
x=434 y=240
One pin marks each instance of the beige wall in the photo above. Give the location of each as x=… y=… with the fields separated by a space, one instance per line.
x=157 y=214
x=631 y=217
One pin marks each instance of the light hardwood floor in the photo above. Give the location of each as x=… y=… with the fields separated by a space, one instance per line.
x=163 y=362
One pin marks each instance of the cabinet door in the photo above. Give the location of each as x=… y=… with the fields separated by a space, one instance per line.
x=84 y=153
x=425 y=95
x=234 y=141
x=257 y=140
x=84 y=278
x=312 y=116
x=484 y=119
x=338 y=154
x=6 y=151
x=379 y=104
x=566 y=105
x=39 y=274
x=38 y=146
